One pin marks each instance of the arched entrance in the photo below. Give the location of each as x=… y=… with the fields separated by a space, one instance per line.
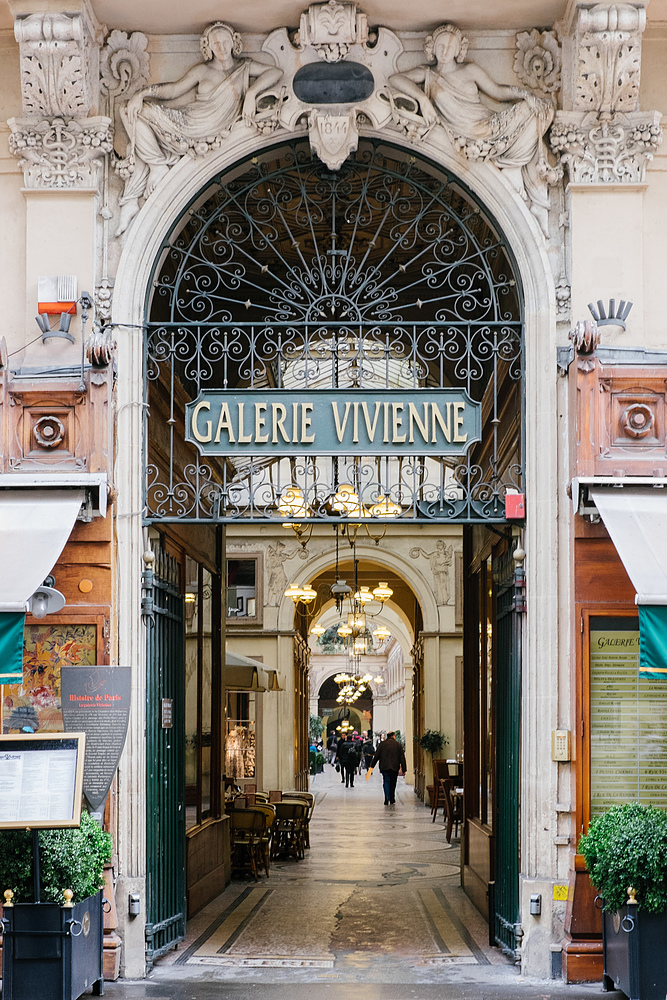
x=283 y=277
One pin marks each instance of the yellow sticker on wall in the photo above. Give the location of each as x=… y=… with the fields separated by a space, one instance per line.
x=560 y=892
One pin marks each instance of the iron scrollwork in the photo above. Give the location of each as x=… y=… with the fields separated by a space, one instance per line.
x=285 y=275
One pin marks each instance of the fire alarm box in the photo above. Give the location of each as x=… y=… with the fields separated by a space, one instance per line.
x=515 y=506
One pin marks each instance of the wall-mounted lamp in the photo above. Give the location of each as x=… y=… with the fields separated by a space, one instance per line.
x=46 y=600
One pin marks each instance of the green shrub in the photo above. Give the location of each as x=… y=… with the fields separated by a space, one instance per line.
x=432 y=741
x=627 y=846
x=69 y=859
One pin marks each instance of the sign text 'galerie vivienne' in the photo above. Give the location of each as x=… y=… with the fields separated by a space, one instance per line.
x=333 y=422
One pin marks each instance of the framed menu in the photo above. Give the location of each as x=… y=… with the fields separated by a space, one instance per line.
x=41 y=778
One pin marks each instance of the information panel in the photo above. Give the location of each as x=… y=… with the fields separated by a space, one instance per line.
x=628 y=720
x=41 y=778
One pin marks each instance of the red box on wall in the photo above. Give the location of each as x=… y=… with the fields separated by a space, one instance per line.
x=515 y=506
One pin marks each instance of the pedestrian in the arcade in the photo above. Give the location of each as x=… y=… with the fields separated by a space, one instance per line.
x=391 y=758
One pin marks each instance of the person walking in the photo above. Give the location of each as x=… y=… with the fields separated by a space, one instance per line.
x=391 y=758
x=348 y=756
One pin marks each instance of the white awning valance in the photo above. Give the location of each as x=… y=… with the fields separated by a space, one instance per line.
x=34 y=528
x=636 y=519
x=242 y=673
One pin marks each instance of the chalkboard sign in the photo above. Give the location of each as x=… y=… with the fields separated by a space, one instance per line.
x=41 y=778
x=96 y=701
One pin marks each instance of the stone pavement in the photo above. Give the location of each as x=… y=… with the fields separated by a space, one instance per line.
x=375 y=910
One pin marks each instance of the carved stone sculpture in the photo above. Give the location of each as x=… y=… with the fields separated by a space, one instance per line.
x=449 y=94
x=60 y=153
x=159 y=134
x=440 y=561
x=537 y=61
x=331 y=28
x=603 y=149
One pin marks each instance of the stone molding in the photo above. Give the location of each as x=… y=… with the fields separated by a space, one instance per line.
x=59 y=63
x=608 y=149
x=60 y=153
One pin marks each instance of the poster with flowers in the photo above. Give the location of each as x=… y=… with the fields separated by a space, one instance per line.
x=34 y=705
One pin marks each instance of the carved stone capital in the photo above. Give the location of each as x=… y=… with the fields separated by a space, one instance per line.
x=59 y=63
x=606 y=149
x=60 y=153
x=331 y=28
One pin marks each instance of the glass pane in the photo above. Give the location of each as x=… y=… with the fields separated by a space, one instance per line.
x=240 y=735
x=241 y=595
x=206 y=682
x=191 y=627
x=628 y=720
x=34 y=705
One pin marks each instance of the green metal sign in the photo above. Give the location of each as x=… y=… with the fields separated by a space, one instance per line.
x=333 y=422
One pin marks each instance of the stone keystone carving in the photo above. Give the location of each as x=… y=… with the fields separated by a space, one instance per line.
x=333 y=137
x=60 y=153
x=331 y=28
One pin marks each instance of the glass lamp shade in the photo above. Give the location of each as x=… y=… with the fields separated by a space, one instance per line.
x=382 y=592
x=293 y=504
x=385 y=508
x=317 y=630
x=364 y=595
x=294 y=591
x=344 y=630
x=308 y=594
x=381 y=632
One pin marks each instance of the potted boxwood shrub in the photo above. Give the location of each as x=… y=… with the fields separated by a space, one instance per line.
x=53 y=949
x=433 y=742
x=626 y=855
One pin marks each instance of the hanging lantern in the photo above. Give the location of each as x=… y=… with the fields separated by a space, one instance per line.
x=382 y=592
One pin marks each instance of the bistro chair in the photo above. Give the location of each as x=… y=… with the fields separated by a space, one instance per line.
x=309 y=799
x=453 y=808
x=269 y=814
x=247 y=829
x=261 y=797
x=440 y=771
x=288 y=830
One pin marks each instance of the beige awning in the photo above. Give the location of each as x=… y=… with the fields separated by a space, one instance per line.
x=242 y=673
x=34 y=528
x=636 y=519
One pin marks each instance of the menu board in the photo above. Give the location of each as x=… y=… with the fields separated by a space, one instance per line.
x=40 y=780
x=628 y=720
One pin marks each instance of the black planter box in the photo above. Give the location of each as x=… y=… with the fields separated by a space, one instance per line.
x=635 y=957
x=52 y=952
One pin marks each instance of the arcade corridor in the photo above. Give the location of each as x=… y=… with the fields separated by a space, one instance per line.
x=374 y=908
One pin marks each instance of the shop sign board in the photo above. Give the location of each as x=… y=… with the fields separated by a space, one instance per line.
x=41 y=777
x=333 y=422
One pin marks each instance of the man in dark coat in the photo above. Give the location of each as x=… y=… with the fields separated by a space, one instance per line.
x=348 y=756
x=391 y=757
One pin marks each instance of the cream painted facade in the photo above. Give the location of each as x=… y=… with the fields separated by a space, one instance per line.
x=59 y=210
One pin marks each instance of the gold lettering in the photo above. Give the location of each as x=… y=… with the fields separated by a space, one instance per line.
x=458 y=422
x=306 y=438
x=260 y=424
x=414 y=419
x=340 y=429
x=370 y=428
x=279 y=422
x=295 y=424
x=355 y=425
x=397 y=423
x=437 y=416
x=195 y=429
x=243 y=438
x=385 y=439
x=225 y=423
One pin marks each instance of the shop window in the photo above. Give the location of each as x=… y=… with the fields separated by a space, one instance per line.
x=240 y=742
x=34 y=705
x=199 y=598
x=243 y=590
x=628 y=719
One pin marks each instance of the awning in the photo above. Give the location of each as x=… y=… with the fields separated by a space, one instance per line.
x=242 y=673
x=34 y=527
x=11 y=647
x=636 y=519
